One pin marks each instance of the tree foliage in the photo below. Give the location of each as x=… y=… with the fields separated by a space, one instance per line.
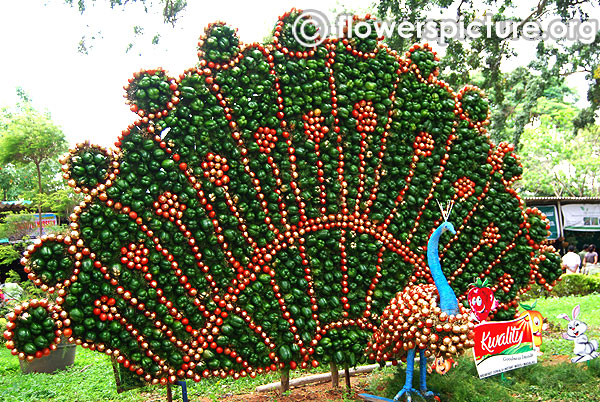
x=30 y=138
x=171 y=9
x=8 y=254
x=8 y=182
x=490 y=54
x=558 y=163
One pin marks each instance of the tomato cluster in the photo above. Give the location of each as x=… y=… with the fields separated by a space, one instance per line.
x=33 y=329
x=271 y=201
x=151 y=93
x=220 y=43
x=86 y=166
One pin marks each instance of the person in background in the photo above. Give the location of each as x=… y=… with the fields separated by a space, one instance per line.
x=571 y=261
x=590 y=262
x=582 y=254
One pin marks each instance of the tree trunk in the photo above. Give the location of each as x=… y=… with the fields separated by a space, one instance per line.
x=347 y=375
x=285 y=379
x=39 y=174
x=335 y=378
x=169 y=393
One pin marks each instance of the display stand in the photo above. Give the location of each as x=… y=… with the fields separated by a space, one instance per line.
x=183 y=386
x=125 y=381
x=374 y=398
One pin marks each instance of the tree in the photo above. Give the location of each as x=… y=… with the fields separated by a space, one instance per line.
x=61 y=201
x=31 y=138
x=558 y=163
x=8 y=180
x=171 y=9
x=489 y=56
x=20 y=182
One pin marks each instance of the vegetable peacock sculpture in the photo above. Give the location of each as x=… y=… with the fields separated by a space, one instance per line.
x=424 y=317
x=269 y=202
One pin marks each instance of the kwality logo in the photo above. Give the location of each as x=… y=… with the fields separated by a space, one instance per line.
x=503 y=337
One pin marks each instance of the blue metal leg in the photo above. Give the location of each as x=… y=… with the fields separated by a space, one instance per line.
x=183 y=386
x=423 y=372
x=410 y=366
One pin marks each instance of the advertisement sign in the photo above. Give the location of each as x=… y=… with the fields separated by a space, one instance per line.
x=27 y=225
x=503 y=346
x=581 y=217
x=552 y=215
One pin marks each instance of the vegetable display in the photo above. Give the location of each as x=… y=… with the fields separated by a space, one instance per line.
x=269 y=203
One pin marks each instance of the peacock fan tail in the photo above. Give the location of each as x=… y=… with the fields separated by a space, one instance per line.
x=268 y=204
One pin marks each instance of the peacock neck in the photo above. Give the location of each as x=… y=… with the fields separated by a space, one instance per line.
x=448 y=301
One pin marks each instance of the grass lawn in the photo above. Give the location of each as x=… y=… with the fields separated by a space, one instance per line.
x=551 y=307
x=91 y=379
x=554 y=378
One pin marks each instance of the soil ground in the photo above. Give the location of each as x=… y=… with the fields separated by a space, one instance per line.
x=322 y=392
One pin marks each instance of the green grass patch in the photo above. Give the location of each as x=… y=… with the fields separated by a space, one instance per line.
x=563 y=382
x=590 y=308
x=550 y=308
x=91 y=377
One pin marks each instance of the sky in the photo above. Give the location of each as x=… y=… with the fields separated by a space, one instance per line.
x=84 y=93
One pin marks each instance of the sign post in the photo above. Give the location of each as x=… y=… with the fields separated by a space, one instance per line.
x=552 y=215
x=28 y=225
x=582 y=217
x=503 y=346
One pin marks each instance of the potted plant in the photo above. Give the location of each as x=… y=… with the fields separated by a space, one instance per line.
x=26 y=325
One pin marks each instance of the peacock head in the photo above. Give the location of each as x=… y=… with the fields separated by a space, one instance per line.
x=447 y=226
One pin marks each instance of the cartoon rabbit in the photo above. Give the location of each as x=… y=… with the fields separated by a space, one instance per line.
x=584 y=349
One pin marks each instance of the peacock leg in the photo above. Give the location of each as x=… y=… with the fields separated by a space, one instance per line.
x=423 y=374
x=410 y=366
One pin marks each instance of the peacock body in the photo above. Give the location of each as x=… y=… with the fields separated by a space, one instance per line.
x=414 y=319
x=425 y=318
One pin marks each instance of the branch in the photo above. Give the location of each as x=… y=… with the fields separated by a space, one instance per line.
x=564 y=185
x=459 y=10
x=535 y=13
x=568 y=73
x=582 y=188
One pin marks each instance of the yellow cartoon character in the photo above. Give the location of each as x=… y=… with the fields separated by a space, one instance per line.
x=537 y=323
x=441 y=365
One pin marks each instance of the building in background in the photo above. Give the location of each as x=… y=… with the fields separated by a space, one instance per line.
x=573 y=220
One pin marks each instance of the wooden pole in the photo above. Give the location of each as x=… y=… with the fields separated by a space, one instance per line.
x=335 y=378
x=169 y=393
x=285 y=379
x=347 y=375
x=559 y=222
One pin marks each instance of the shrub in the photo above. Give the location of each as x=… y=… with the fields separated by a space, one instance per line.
x=569 y=285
